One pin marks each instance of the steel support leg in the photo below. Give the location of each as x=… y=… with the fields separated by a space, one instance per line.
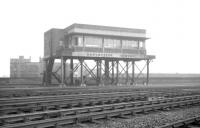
x=81 y=62
x=62 y=72
x=100 y=72
x=45 y=78
x=117 y=72
x=127 y=72
x=106 y=71
x=64 y=68
x=81 y=72
x=48 y=72
x=133 y=72
x=97 y=74
x=147 y=72
x=71 y=71
x=113 y=73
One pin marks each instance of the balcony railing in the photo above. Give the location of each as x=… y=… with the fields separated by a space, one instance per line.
x=106 y=50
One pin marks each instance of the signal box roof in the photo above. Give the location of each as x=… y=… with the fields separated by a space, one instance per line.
x=105 y=31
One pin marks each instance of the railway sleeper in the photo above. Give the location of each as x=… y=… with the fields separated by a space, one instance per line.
x=99 y=116
x=63 y=92
x=53 y=104
x=56 y=107
x=128 y=96
x=81 y=97
x=137 y=104
x=54 y=115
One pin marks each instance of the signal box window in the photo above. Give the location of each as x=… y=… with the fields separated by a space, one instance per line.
x=93 y=42
x=129 y=44
x=112 y=43
x=141 y=44
x=77 y=41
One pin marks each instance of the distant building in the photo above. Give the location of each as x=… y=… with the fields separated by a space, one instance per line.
x=24 y=68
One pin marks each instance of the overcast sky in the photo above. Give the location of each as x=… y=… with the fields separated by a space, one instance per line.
x=172 y=25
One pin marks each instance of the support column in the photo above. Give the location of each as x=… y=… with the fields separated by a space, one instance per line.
x=81 y=72
x=147 y=72
x=62 y=73
x=64 y=68
x=45 y=78
x=106 y=72
x=71 y=71
x=117 y=72
x=113 y=73
x=97 y=74
x=127 y=72
x=48 y=70
x=133 y=72
x=100 y=72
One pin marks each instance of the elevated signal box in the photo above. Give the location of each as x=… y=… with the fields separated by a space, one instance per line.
x=99 y=43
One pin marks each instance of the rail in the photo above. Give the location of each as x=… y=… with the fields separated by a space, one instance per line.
x=67 y=116
x=59 y=103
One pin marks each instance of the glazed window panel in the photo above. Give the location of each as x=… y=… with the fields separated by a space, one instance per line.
x=77 y=41
x=93 y=42
x=128 y=44
x=141 y=44
x=112 y=43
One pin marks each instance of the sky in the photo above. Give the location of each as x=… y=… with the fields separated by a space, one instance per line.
x=172 y=25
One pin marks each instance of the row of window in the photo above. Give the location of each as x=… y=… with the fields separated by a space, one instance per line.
x=108 y=43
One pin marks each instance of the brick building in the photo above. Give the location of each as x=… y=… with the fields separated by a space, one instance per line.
x=24 y=68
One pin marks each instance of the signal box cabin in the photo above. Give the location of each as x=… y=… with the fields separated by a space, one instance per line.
x=99 y=43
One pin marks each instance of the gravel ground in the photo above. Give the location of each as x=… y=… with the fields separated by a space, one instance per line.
x=146 y=121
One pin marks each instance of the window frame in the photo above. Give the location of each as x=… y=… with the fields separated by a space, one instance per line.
x=113 y=42
x=127 y=46
x=93 y=46
x=76 y=43
x=139 y=44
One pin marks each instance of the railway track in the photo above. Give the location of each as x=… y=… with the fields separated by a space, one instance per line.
x=81 y=114
x=58 y=91
x=20 y=105
x=27 y=92
x=73 y=96
x=91 y=95
x=66 y=103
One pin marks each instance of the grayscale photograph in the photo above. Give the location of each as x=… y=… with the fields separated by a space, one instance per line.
x=100 y=64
